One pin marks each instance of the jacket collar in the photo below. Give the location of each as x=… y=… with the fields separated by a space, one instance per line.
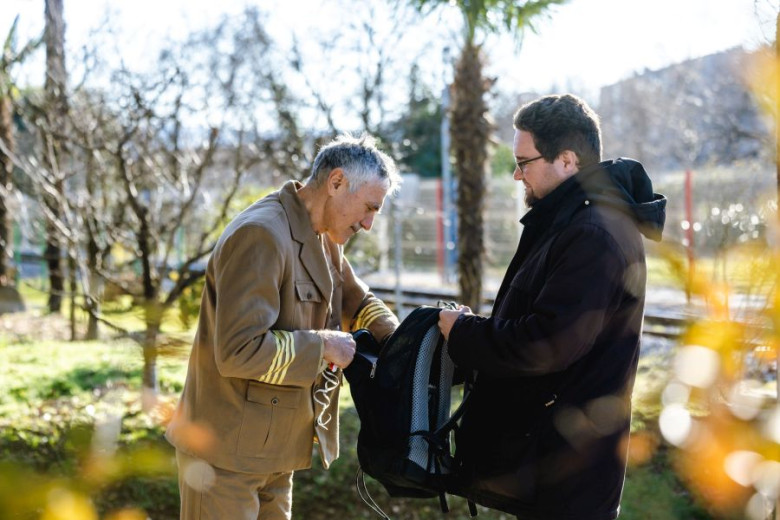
x=622 y=184
x=312 y=254
x=557 y=207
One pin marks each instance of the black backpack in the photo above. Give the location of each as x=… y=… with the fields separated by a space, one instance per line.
x=402 y=394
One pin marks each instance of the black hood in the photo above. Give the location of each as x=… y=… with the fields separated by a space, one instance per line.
x=624 y=184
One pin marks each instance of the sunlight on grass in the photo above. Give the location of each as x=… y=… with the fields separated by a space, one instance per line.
x=72 y=427
x=121 y=311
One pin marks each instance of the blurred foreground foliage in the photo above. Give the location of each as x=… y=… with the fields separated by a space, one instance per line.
x=718 y=407
x=75 y=444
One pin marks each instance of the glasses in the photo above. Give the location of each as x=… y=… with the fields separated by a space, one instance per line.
x=522 y=164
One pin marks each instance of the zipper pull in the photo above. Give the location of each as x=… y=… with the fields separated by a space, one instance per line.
x=373 y=370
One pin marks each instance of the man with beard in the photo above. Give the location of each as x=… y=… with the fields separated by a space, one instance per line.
x=545 y=436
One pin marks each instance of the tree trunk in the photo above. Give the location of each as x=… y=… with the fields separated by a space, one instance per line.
x=10 y=299
x=72 y=281
x=153 y=310
x=6 y=169
x=150 y=353
x=93 y=292
x=53 y=258
x=150 y=387
x=57 y=108
x=470 y=131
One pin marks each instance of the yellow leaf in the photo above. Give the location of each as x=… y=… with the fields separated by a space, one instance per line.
x=63 y=504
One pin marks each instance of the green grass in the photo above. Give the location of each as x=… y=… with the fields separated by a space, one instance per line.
x=652 y=492
x=81 y=370
x=60 y=405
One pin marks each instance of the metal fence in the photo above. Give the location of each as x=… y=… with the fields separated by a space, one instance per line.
x=415 y=232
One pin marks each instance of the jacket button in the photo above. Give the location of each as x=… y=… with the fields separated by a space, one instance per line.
x=587 y=202
x=308 y=295
x=275 y=401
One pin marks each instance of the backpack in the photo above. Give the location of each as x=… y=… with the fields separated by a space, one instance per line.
x=402 y=394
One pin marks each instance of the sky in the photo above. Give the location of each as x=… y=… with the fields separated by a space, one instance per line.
x=584 y=45
x=599 y=42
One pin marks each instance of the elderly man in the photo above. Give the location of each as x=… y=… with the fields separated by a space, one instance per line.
x=264 y=373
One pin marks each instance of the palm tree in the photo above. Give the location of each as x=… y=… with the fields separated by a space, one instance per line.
x=469 y=126
x=9 y=57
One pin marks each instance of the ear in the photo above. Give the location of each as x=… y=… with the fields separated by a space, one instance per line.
x=336 y=180
x=570 y=162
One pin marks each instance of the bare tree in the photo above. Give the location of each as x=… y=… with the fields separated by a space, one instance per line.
x=162 y=175
x=179 y=176
x=100 y=210
x=155 y=160
x=55 y=88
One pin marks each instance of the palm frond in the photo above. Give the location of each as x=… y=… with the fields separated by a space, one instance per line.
x=9 y=55
x=521 y=16
x=9 y=40
x=492 y=16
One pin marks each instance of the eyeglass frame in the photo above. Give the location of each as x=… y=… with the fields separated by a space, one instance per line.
x=520 y=165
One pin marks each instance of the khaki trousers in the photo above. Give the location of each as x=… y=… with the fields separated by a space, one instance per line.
x=210 y=493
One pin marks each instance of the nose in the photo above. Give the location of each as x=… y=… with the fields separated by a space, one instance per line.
x=367 y=222
x=518 y=175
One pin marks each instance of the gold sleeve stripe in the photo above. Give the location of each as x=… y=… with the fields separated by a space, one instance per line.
x=369 y=314
x=285 y=354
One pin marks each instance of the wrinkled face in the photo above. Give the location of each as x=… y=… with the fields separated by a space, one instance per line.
x=347 y=212
x=539 y=176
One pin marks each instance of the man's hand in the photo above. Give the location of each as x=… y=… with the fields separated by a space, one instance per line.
x=447 y=319
x=338 y=347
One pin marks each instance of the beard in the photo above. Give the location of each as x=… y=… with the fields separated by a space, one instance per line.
x=530 y=199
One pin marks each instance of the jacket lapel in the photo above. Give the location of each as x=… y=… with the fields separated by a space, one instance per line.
x=312 y=255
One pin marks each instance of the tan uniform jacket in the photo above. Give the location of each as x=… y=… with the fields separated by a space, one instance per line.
x=248 y=401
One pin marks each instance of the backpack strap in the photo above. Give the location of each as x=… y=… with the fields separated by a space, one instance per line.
x=452 y=422
x=445 y=508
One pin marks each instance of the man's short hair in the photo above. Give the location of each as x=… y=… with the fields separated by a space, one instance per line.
x=360 y=160
x=562 y=122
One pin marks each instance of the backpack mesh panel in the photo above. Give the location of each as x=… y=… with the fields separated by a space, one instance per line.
x=422 y=387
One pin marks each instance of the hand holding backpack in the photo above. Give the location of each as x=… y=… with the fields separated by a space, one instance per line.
x=402 y=393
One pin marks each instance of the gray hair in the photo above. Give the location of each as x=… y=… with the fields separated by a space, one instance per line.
x=359 y=158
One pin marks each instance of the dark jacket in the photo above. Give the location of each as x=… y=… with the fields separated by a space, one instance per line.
x=549 y=420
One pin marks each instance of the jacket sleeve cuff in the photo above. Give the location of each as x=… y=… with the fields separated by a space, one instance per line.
x=456 y=344
x=297 y=358
x=374 y=315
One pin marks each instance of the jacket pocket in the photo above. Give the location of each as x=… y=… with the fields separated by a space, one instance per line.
x=269 y=416
x=307 y=292
x=308 y=298
x=519 y=299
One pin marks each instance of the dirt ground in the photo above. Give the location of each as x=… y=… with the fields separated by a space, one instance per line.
x=33 y=325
